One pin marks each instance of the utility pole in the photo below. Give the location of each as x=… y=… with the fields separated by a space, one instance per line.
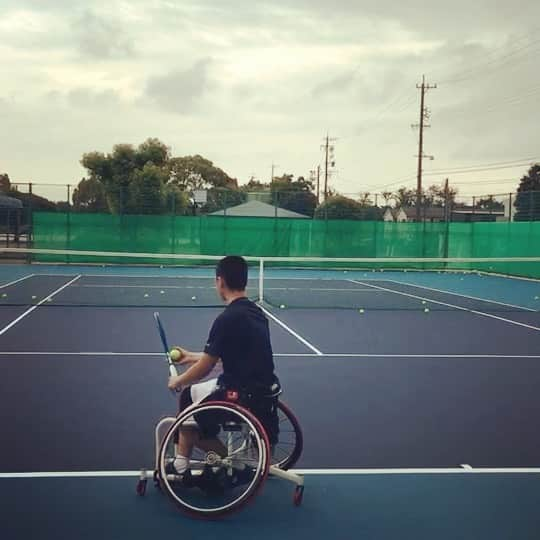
x=273 y=169
x=424 y=116
x=318 y=181
x=446 y=212
x=328 y=160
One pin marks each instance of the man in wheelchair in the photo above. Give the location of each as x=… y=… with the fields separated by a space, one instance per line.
x=240 y=339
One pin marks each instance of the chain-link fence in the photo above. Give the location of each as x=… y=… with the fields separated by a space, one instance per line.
x=16 y=224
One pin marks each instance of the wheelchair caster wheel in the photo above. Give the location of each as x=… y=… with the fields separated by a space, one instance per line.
x=298 y=495
x=141 y=488
x=157 y=483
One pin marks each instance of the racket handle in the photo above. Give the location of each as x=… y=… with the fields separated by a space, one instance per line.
x=172 y=370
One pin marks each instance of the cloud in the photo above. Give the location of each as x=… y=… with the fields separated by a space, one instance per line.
x=180 y=91
x=99 y=37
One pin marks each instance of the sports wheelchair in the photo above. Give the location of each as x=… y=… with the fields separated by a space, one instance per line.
x=225 y=478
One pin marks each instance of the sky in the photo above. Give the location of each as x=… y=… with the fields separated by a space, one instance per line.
x=248 y=84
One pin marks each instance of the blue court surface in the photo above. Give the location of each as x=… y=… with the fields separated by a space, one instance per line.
x=417 y=393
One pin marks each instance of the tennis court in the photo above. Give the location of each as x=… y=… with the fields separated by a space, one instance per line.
x=416 y=388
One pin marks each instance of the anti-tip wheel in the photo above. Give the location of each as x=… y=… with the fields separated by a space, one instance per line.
x=141 y=488
x=298 y=495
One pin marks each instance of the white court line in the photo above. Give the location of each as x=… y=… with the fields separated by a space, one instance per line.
x=459 y=294
x=291 y=331
x=328 y=472
x=28 y=311
x=285 y=355
x=461 y=308
x=16 y=281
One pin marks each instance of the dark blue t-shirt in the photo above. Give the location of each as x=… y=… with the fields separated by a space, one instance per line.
x=240 y=336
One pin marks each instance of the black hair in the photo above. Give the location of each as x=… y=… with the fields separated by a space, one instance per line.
x=234 y=271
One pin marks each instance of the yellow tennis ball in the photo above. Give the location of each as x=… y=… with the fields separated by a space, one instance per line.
x=175 y=355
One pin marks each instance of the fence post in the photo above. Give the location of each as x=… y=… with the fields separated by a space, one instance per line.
x=30 y=233
x=8 y=226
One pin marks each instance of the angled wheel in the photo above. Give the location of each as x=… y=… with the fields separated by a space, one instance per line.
x=287 y=451
x=221 y=480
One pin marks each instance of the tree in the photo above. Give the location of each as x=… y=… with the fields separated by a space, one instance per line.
x=528 y=196
x=5 y=184
x=340 y=207
x=195 y=172
x=489 y=203
x=405 y=197
x=439 y=196
x=387 y=196
x=120 y=172
x=146 y=193
x=294 y=195
x=90 y=196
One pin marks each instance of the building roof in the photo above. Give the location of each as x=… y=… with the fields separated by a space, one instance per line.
x=9 y=202
x=257 y=209
x=430 y=212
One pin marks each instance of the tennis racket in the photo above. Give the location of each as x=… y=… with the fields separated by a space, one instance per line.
x=172 y=368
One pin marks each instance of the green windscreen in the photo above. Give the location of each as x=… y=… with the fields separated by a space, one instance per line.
x=284 y=237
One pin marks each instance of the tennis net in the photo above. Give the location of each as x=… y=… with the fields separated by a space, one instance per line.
x=121 y=279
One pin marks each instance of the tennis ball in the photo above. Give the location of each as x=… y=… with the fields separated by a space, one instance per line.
x=34 y=297
x=4 y=295
x=282 y=306
x=536 y=297
x=426 y=310
x=194 y=298
x=161 y=292
x=360 y=311
x=423 y=301
x=175 y=355
x=146 y=295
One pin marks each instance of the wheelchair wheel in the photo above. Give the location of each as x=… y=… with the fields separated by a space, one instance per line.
x=230 y=470
x=288 y=449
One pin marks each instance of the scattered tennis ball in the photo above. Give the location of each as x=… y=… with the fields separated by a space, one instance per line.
x=282 y=306
x=344 y=271
x=423 y=301
x=4 y=295
x=161 y=292
x=537 y=297
x=426 y=310
x=194 y=298
x=146 y=295
x=360 y=311
x=34 y=297
x=175 y=355
x=49 y=299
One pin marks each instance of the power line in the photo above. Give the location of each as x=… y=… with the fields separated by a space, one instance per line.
x=481 y=67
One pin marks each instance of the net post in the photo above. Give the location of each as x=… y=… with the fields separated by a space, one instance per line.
x=261 y=280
